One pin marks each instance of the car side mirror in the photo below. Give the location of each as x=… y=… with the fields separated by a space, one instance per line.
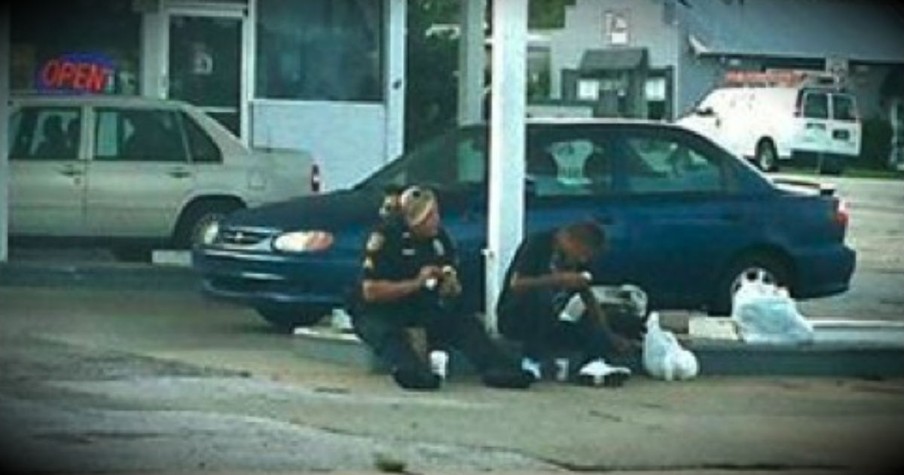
x=705 y=112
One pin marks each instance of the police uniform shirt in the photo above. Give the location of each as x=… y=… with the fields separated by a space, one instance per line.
x=392 y=253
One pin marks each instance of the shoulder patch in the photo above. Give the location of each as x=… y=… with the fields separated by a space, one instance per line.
x=376 y=241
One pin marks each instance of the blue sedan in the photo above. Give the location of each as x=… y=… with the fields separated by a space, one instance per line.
x=687 y=221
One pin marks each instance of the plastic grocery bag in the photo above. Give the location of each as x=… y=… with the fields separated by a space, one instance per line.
x=664 y=357
x=627 y=299
x=765 y=313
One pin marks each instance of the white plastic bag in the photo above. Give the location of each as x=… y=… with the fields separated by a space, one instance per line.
x=765 y=313
x=663 y=356
x=628 y=297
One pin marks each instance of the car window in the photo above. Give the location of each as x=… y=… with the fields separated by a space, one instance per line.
x=454 y=159
x=816 y=105
x=573 y=166
x=667 y=165
x=200 y=145
x=843 y=108
x=138 y=135
x=45 y=133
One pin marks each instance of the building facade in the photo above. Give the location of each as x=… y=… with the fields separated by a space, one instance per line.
x=657 y=58
x=321 y=75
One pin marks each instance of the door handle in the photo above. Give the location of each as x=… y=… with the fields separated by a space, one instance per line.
x=71 y=171
x=179 y=173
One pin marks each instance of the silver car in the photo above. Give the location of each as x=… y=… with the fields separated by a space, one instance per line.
x=136 y=171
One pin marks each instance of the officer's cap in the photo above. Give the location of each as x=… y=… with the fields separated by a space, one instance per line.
x=416 y=204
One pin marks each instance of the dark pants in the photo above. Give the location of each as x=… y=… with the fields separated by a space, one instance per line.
x=532 y=320
x=387 y=333
x=583 y=336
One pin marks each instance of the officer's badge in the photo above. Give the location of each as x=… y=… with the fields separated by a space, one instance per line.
x=439 y=248
x=375 y=242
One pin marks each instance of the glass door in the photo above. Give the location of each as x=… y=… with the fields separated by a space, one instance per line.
x=205 y=54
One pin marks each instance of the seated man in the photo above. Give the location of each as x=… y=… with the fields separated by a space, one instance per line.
x=409 y=280
x=549 y=269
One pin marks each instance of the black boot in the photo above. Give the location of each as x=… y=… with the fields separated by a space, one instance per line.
x=507 y=378
x=416 y=380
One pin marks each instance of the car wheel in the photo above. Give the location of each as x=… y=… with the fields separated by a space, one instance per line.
x=199 y=220
x=752 y=268
x=287 y=319
x=766 y=157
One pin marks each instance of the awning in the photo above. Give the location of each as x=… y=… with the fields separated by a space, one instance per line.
x=619 y=59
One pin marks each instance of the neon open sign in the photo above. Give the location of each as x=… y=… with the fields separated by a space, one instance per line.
x=77 y=72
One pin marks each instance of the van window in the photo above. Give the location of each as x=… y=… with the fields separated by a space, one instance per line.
x=816 y=105
x=843 y=108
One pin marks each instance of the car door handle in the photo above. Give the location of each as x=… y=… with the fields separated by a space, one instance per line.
x=816 y=125
x=179 y=173
x=71 y=171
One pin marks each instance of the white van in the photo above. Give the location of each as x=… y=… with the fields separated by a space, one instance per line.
x=768 y=117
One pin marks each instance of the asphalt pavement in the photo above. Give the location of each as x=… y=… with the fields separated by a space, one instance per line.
x=127 y=381
x=110 y=367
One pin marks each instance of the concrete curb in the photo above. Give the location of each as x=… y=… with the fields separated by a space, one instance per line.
x=112 y=276
x=828 y=356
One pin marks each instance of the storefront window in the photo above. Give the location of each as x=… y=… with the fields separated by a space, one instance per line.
x=320 y=50
x=85 y=46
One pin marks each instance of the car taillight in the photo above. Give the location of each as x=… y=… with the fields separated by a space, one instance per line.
x=315 y=178
x=842 y=213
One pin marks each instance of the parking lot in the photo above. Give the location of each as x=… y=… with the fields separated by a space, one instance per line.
x=121 y=374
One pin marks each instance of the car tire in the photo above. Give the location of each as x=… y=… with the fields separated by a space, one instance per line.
x=754 y=267
x=198 y=218
x=287 y=319
x=766 y=158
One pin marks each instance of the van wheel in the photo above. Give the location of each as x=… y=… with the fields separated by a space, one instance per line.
x=759 y=267
x=766 y=157
x=199 y=219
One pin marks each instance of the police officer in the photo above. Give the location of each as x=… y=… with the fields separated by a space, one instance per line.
x=409 y=280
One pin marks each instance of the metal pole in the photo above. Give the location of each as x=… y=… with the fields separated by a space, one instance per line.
x=4 y=123
x=507 y=140
x=471 y=62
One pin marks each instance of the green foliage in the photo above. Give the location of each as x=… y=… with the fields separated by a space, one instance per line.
x=432 y=88
x=875 y=144
x=432 y=62
x=547 y=14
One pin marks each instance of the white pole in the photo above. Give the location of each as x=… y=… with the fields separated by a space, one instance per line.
x=507 y=139
x=4 y=120
x=396 y=18
x=471 y=62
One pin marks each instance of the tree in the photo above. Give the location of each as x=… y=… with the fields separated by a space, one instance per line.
x=432 y=59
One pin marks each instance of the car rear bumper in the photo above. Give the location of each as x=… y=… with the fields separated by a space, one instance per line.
x=268 y=280
x=824 y=272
